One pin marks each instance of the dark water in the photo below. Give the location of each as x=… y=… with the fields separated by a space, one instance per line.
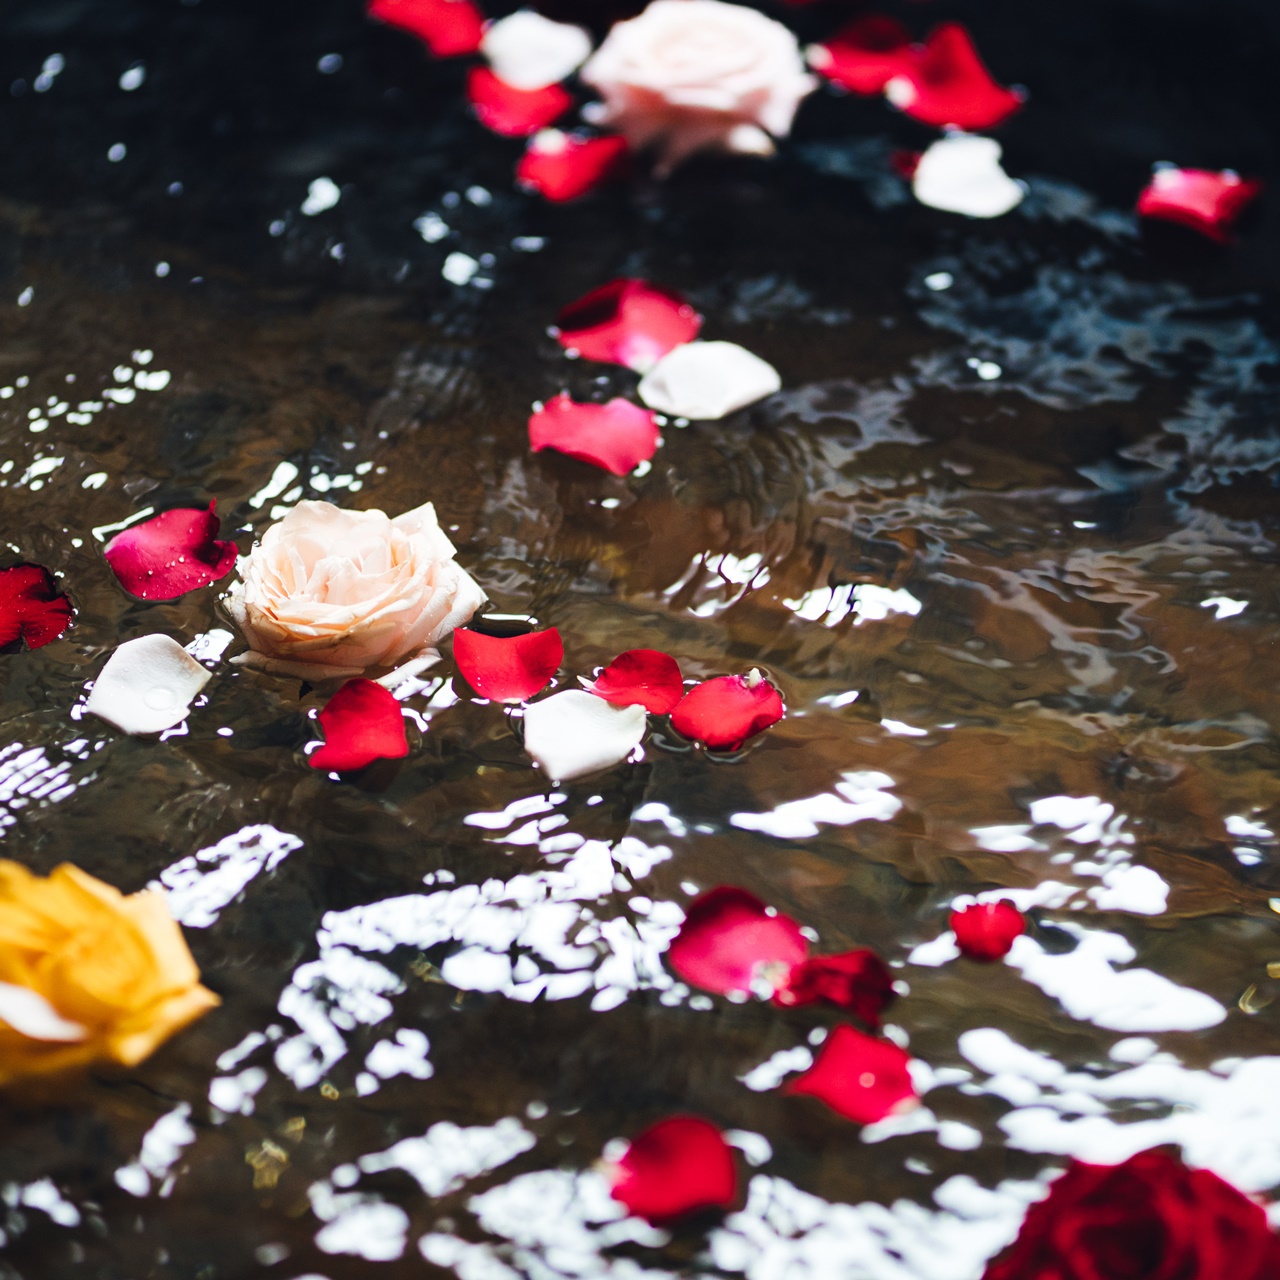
x=1018 y=495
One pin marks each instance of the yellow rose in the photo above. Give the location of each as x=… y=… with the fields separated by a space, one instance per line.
x=87 y=974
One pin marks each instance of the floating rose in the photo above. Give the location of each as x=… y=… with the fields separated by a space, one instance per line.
x=508 y=668
x=627 y=322
x=962 y=174
x=696 y=75
x=1150 y=1218
x=362 y=723
x=640 y=677
x=170 y=554
x=865 y=55
x=707 y=380
x=573 y=734
x=1201 y=199
x=147 y=685
x=676 y=1167
x=946 y=84
x=617 y=435
x=986 y=930
x=562 y=167
x=856 y=980
x=32 y=609
x=528 y=51
x=447 y=27
x=87 y=974
x=331 y=593
x=512 y=112
x=724 y=712
x=861 y=1077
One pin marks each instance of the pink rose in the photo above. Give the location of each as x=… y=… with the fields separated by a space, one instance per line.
x=694 y=75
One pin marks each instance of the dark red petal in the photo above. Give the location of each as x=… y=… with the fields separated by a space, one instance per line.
x=854 y=980
x=728 y=938
x=512 y=112
x=561 y=167
x=641 y=677
x=32 y=609
x=1201 y=199
x=859 y=1076
x=675 y=1167
x=447 y=27
x=362 y=723
x=950 y=86
x=986 y=930
x=905 y=163
x=865 y=54
x=724 y=712
x=627 y=322
x=617 y=436
x=508 y=668
x=170 y=554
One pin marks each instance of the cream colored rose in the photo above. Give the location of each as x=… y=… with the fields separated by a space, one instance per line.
x=331 y=593
x=692 y=75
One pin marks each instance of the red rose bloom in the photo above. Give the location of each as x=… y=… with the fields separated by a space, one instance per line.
x=1150 y=1218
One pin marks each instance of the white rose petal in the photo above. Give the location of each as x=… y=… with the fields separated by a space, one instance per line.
x=530 y=52
x=707 y=379
x=147 y=685
x=574 y=733
x=962 y=174
x=31 y=1015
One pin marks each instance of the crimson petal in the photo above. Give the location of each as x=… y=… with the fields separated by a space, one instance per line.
x=859 y=1076
x=675 y=1167
x=508 y=668
x=986 y=930
x=854 y=980
x=170 y=554
x=729 y=937
x=512 y=112
x=1201 y=199
x=865 y=54
x=447 y=27
x=627 y=322
x=362 y=723
x=32 y=609
x=724 y=712
x=617 y=436
x=561 y=167
x=947 y=84
x=641 y=677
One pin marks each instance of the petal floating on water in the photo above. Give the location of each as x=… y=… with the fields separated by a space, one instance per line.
x=32 y=609
x=722 y=713
x=147 y=685
x=170 y=554
x=362 y=723
x=643 y=677
x=986 y=930
x=627 y=322
x=508 y=668
x=946 y=84
x=708 y=380
x=1201 y=199
x=574 y=733
x=676 y=1167
x=863 y=1078
x=512 y=112
x=560 y=167
x=617 y=435
x=448 y=28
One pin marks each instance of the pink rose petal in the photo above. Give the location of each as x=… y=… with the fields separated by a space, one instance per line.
x=640 y=677
x=32 y=609
x=729 y=941
x=947 y=84
x=676 y=1167
x=362 y=723
x=724 y=712
x=447 y=27
x=866 y=54
x=627 y=322
x=854 y=980
x=617 y=436
x=1201 y=199
x=859 y=1076
x=508 y=668
x=986 y=930
x=561 y=167
x=512 y=112
x=170 y=554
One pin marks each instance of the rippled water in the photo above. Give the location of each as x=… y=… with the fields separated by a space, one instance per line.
x=1006 y=541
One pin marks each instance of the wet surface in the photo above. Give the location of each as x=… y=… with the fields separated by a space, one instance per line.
x=1006 y=541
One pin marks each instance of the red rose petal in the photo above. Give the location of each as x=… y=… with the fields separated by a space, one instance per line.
x=617 y=436
x=32 y=609
x=512 y=112
x=1201 y=199
x=865 y=54
x=561 y=167
x=986 y=930
x=724 y=712
x=905 y=163
x=859 y=1076
x=855 y=980
x=508 y=668
x=447 y=27
x=627 y=322
x=675 y=1167
x=728 y=938
x=362 y=723
x=946 y=84
x=641 y=677
x=170 y=554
